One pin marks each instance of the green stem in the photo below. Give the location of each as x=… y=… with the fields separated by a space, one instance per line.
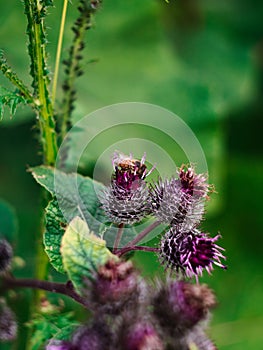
x=59 y=48
x=35 y=11
x=118 y=238
x=37 y=49
x=13 y=78
x=73 y=68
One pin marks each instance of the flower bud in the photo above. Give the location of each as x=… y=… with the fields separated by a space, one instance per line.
x=6 y=254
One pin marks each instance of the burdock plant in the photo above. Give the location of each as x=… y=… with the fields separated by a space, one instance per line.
x=126 y=311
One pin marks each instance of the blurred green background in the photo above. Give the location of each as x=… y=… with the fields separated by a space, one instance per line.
x=201 y=59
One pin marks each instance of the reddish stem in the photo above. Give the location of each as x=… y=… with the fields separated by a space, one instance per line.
x=67 y=289
x=126 y=250
x=118 y=238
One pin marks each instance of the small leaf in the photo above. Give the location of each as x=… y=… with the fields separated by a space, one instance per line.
x=82 y=252
x=44 y=175
x=10 y=99
x=55 y=223
x=54 y=326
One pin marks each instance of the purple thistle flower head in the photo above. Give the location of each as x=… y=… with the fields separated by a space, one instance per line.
x=127 y=199
x=128 y=171
x=174 y=205
x=193 y=184
x=190 y=252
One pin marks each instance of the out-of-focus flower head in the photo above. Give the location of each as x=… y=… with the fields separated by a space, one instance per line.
x=8 y=324
x=6 y=254
x=142 y=336
x=179 y=306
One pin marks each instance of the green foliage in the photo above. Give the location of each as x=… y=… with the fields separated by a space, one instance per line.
x=72 y=64
x=76 y=196
x=82 y=252
x=55 y=223
x=46 y=326
x=37 y=43
x=8 y=221
x=13 y=98
x=201 y=72
x=10 y=99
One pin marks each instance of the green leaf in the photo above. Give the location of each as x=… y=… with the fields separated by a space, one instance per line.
x=77 y=196
x=55 y=326
x=55 y=228
x=44 y=175
x=10 y=99
x=82 y=252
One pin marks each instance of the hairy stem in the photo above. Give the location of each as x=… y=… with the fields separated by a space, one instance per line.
x=118 y=238
x=125 y=250
x=142 y=234
x=59 y=48
x=72 y=65
x=35 y=11
x=13 y=78
x=67 y=289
